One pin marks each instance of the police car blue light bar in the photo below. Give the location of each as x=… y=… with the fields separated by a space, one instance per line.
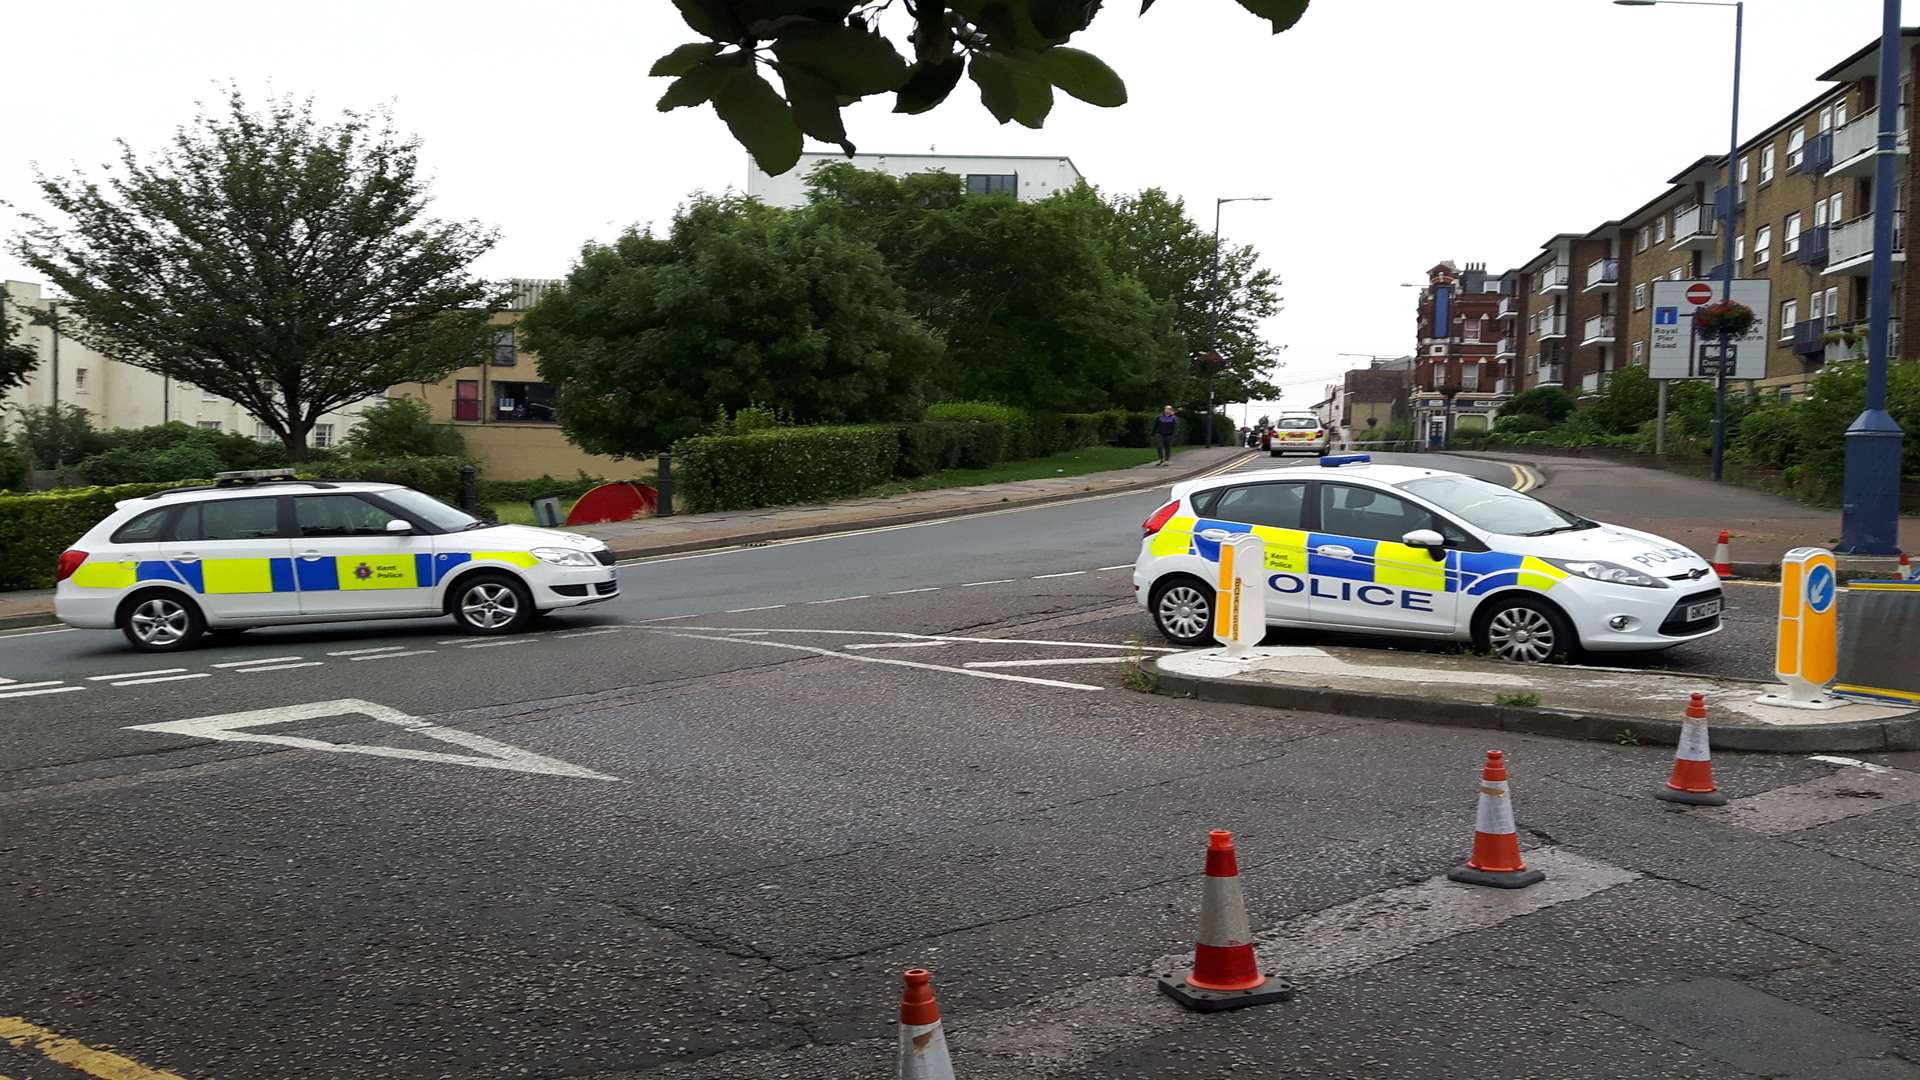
x=1337 y=460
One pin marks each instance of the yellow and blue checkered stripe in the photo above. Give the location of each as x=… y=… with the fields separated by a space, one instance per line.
x=332 y=573
x=1376 y=562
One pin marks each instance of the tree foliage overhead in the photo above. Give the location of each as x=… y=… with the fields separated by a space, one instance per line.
x=268 y=257
x=828 y=54
x=17 y=358
x=738 y=303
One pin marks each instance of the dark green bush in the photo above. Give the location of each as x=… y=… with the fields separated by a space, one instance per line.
x=402 y=427
x=1193 y=428
x=493 y=491
x=14 y=466
x=135 y=465
x=929 y=446
x=1016 y=440
x=1134 y=428
x=983 y=444
x=783 y=466
x=438 y=476
x=35 y=529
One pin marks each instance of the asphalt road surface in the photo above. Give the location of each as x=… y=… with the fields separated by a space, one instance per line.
x=699 y=831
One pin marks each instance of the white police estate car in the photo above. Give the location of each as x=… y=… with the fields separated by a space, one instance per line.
x=260 y=550
x=1390 y=549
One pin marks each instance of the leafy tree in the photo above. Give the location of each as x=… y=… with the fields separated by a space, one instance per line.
x=56 y=435
x=1546 y=402
x=1032 y=312
x=17 y=358
x=832 y=53
x=13 y=466
x=402 y=427
x=739 y=303
x=1628 y=399
x=270 y=258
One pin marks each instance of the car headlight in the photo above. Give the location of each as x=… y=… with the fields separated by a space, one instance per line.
x=1611 y=573
x=562 y=556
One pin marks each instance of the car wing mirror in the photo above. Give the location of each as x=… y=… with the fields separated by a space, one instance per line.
x=398 y=527
x=1435 y=544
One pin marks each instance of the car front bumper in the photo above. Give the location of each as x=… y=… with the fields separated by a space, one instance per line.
x=569 y=586
x=1655 y=616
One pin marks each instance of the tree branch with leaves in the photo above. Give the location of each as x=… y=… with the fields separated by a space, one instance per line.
x=829 y=54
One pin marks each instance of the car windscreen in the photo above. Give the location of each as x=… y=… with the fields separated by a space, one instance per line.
x=1296 y=423
x=1492 y=508
x=430 y=510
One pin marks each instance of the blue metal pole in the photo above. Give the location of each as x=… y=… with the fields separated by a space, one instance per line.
x=1870 y=518
x=1726 y=276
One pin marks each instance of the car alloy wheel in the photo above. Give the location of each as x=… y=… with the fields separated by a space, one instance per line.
x=1521 y=633
x=489 y=605
x=1184 y=612
x=160 y=622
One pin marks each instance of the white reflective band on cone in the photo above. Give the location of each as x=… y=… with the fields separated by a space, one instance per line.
x=1223 y=914
x=1494 y=815
x=923 y=1053
x=1693 y=742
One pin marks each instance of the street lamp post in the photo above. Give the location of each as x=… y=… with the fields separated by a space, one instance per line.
x=1213 y=301
x=1732 y=189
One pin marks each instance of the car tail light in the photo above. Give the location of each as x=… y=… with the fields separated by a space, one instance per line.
x=1160 y=518
x=69 y=562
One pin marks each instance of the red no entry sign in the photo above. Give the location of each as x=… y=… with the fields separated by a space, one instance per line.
x=1699 y=294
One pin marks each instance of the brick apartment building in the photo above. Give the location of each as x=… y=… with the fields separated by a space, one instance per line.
x=1459 y=333
x=1803 y=203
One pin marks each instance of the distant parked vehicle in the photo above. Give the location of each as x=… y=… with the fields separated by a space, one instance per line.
x=1298 y=433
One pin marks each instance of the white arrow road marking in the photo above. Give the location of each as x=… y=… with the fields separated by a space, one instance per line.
x=878 y=660
x=230 y=727
x=1052 y=662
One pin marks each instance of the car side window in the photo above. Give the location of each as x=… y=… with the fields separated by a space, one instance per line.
x=231 y=519
x=1367 y=514
x=146 y=528
x=339 y=515
x=1203 y=503
x=1282 y=505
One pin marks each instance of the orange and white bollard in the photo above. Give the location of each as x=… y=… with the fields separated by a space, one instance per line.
x=923 y=1044
x=1692 y=779
x=1906 y=568
x=1496 y=857
x=1226 y=973
x=1722 y=557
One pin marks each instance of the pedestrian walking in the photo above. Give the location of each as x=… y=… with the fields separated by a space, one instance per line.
x=1163 y=427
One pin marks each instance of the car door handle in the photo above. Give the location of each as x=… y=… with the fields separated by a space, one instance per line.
x=186 y=556
x=1334 y=551
x=310 y=556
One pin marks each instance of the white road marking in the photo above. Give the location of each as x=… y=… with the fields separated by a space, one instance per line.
x=896 y=644
x=1122 y=566
x=36 y=685
x=132 y=674
x=1052 y=662
x=363 y=652
x=1854 y=763
x=37 y=693
x=910 y=592
x=593 y=633
x=394 y=655
x=903 y=636
x=281 y=667
x=838 y=600
x=230 y=727
x=882 y=660
x=494 y=644
x=768 y=607
x=262 y=660
x=996 y=581
x=38 y=633
x=169 y=678
x=668 y=618
x=1070 y=573
x=1837 y=797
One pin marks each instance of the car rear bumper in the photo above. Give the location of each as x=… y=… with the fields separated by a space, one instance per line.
x=89 y=609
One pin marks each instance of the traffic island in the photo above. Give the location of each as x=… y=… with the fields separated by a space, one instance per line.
x=1572 y=702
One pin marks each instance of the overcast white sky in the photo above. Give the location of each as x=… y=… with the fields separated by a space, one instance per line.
x=1391 y=133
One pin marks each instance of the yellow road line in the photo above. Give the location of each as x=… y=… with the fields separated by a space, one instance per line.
x=57 y=1048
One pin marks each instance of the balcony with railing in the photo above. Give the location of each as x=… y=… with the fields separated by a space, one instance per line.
x=1810 y=339
x=1720 y=201
x=523 y=293
x=1598 y=331
x=1819 y=152
x=1855 y=144
x=1551 y=279
x=1602 y=273
x=1509 y=307
x=1694 y=228
x=1813 y=246
x=1507 y=349
x=1850 y=246
x=1590 y=383
x=1549 y=375
x=1550 y=326
x=1848 y=341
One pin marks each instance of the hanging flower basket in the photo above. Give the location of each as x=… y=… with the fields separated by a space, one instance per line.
x=1729 y=317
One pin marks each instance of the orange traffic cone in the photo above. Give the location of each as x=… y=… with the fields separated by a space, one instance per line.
x=1906 y=568
x=1692 y=779
x=1722 y=558
x=1226 y=974
x=1496 y=845
x=923 y=1045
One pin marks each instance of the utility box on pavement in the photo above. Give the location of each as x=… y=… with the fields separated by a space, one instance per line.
x=546 y=511
x=1882 y=655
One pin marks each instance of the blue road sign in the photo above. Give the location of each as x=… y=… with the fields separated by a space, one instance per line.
x=1820 y=591
x=1666 y=316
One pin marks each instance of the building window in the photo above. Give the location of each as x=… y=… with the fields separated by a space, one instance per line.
x=1639 y=298
x=264 y=433
x=79 y=380
x=1470 y=377
x=1833 y=304
x=1744 y=162
x=208 y=425
x=504 y=352
x=1826 y=118
x=522 y=403
x=1796 y=148
x=1660 y=229
x=1836 y=209
x=466 y=399
x=1789 y=314
x=1639 y=352
x=1640 y=239
x=993 y=183
x=1840 y=112
x=1678 y=273
x=1790 y=234
x=1786 y=394
x=322 y=436
x=1739 y=250
x=1816 y=305
x=1820 y=213
x=1762 y=245
x=1766 y=164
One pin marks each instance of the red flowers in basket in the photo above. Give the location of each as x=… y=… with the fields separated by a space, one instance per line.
x=1729 y=317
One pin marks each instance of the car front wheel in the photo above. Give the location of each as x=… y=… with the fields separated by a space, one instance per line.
x=1183 y=611
x=491 y=604
x=161 y=620
x=1525 y=630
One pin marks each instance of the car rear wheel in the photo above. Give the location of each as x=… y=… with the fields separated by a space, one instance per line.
x=1183 y=611
x=491 y=604
x=161 y=620
x=1525 y=630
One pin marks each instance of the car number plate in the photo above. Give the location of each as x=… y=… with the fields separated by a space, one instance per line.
x=1705 y=609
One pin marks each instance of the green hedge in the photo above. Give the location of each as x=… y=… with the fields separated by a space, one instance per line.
x=930 y=446
x=434 y=475
x=783 y=466
x=494 y=491
x=35 y=529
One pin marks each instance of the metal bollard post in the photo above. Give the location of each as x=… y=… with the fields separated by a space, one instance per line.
x=469 y=488
x=664 y=484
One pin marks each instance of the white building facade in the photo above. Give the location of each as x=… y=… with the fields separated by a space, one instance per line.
x=1026 y=178
x=123 y=396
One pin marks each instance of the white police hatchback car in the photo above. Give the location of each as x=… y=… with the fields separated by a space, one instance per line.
x=1388 y=549
x=263 y=550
